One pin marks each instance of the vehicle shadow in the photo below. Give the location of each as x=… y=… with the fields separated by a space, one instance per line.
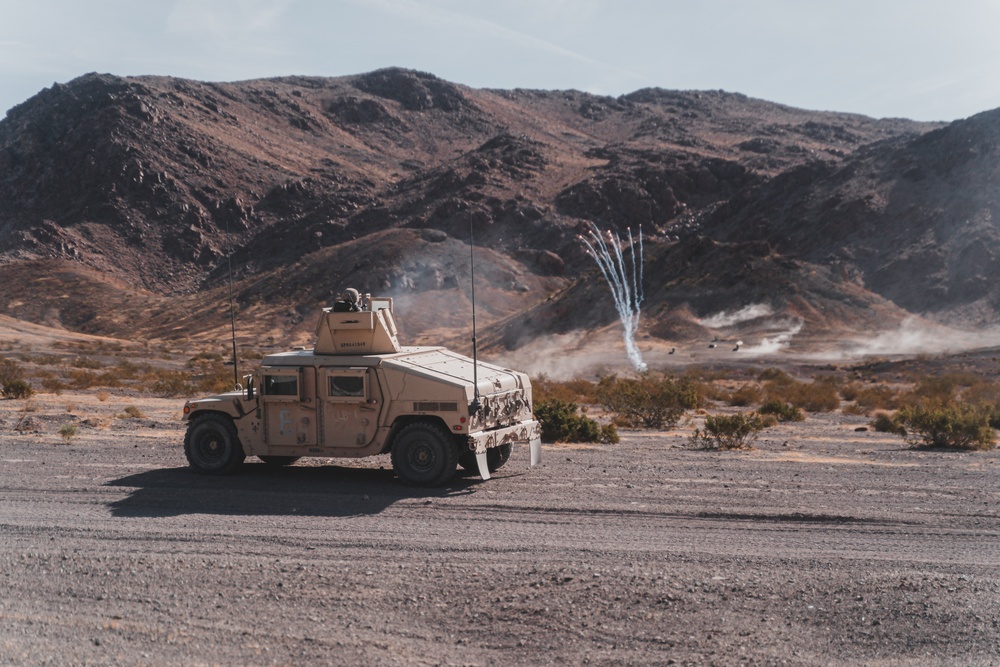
x=259 y=489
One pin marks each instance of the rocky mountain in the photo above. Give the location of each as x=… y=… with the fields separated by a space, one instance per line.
x=124 y=201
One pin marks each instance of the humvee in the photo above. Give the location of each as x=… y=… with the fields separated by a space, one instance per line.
x=359 y=393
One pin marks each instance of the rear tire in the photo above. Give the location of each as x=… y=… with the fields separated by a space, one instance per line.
x=496 y=457
x=424 y=454
x=212 y=446
x=279 y=461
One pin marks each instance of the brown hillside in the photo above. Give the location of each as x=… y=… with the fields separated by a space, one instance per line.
x=141 y=187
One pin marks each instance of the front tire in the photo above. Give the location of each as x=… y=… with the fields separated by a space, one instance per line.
x=212 y=446
x=424 y=454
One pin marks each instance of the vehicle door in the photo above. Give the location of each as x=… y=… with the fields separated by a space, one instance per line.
x=289 y=405
x=350 y=406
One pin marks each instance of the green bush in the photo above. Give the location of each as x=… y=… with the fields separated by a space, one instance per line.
x=785 y=412
x=561 y=423
x=952 y=425
x=651 y=401
x=737 y=431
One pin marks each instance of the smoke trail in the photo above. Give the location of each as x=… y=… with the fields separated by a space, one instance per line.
x=625 y=283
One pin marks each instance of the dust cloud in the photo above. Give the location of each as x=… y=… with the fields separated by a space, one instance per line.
x=745 y=314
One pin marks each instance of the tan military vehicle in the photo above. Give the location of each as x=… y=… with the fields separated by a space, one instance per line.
x=359 y=393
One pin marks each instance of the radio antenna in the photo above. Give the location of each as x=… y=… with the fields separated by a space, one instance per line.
x=232 y=310
x=476 y=403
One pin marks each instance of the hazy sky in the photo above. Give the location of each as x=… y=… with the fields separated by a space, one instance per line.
x=920 y=59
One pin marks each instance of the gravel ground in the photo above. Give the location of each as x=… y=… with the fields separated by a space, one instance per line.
x=823 y=546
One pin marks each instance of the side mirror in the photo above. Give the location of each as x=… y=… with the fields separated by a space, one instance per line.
x=250 y=393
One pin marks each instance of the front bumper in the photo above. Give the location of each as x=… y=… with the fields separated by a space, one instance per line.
x=527 y=431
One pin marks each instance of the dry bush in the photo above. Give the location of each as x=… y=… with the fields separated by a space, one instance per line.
x=102 y=396
x=869 y=397
x=12 y=382
x=810 y=396
x=131 y=412
x=569 y=391
x=87 y=362
x=53 y=385
x=67 y=431
x=747 y=394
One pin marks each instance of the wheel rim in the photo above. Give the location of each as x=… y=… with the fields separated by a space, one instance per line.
x=421 y=456
x=211 y=446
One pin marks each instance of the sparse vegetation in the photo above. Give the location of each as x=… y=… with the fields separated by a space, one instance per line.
x=816 y=396
x=650 y=401
x=737 y=431
x=951 y=425
x=747 y=394
x=17 y=389
x=12 y=382
x=570 y=391
x=885 y=422
x=561 y=422
x=785 y=412
x=67 y=431
x=131 y=412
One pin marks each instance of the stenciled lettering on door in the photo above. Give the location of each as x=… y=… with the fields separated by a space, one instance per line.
x=285 y=424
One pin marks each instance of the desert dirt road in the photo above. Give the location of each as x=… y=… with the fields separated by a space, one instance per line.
x=822 y=546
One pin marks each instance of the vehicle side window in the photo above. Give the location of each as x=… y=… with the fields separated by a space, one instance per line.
x=281 y=385
x=347 y=386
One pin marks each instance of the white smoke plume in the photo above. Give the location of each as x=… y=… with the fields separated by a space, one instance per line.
x=625 y=283
x=775 y=342
x=745 y=314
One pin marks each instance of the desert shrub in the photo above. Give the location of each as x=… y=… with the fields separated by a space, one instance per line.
x=53 y=385
x=10 y=370
x=785 y=412
x=102 y=396
x=562 y=423
x=569 y=391
x=651 y=401
x=747 y=394
x=67 y=431
x=737 y=431
x=132 y=412
x=870 y=397
x=17 y=389
x=982 y=393
x=172 y=383
x=775 y=375
x=952 y=425
x=86 y=362
x=942 y=388
x=884 y=422
x=810 y=396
